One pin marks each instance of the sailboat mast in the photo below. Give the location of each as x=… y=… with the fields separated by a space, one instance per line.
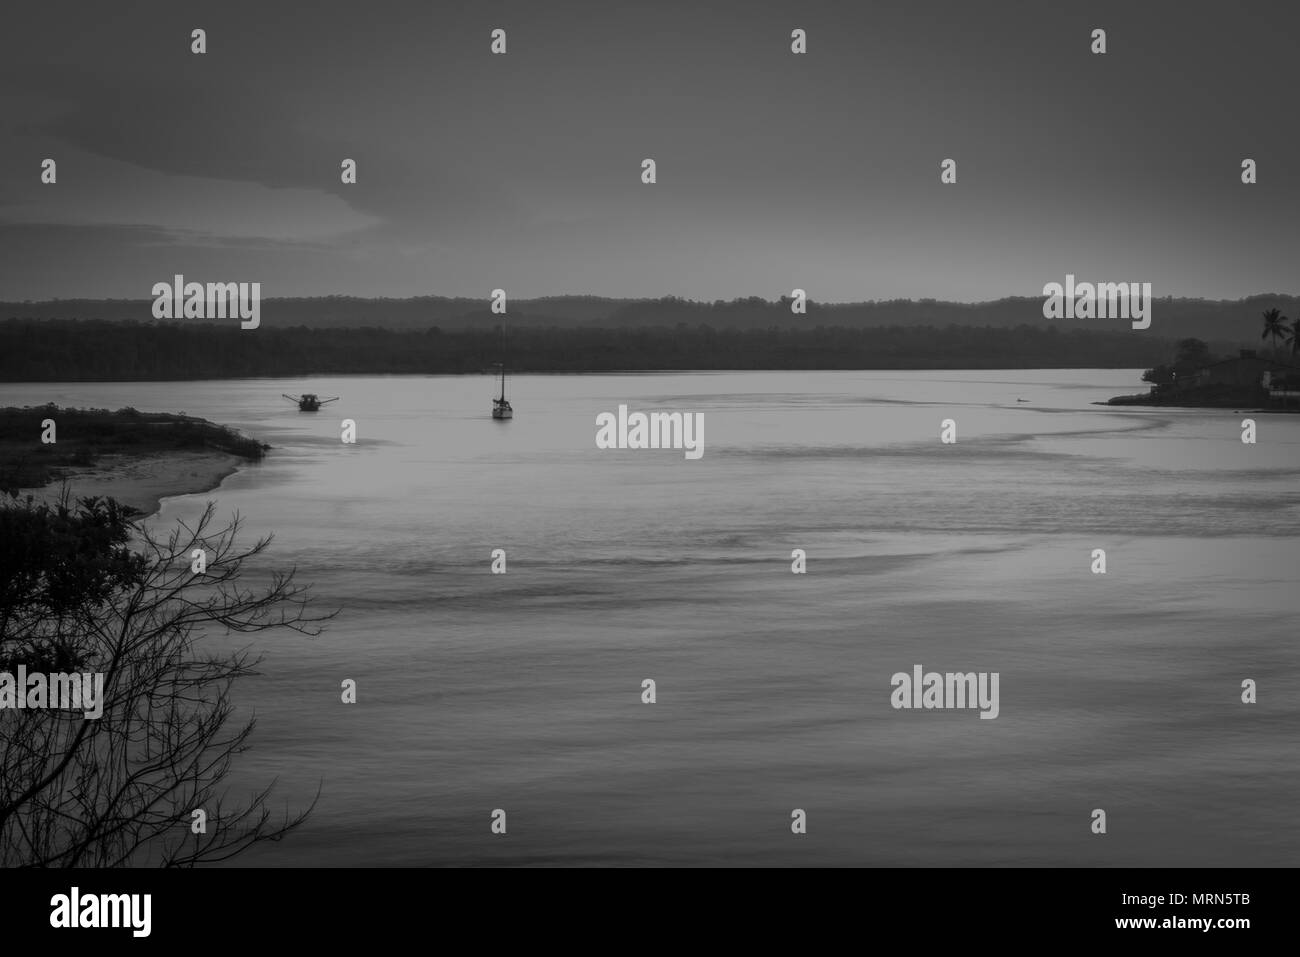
x=503 y=360
x=500 y=407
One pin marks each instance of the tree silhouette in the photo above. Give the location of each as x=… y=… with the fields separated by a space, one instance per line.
x=1275 y=327
x=120 y=790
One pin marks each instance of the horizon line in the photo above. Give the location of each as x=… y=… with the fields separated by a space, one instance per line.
x=668 y=296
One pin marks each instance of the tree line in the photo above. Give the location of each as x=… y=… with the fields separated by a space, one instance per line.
x=71 y=350
x=1207 y=319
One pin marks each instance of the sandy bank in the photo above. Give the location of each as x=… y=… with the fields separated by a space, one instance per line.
x=142 y=481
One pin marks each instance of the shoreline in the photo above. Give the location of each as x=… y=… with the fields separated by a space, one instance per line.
x=143 y=481
x=135 y=458
x=1234 y=409
x=1146 y=401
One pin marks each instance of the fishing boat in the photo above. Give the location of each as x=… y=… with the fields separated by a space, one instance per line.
x=308 y=401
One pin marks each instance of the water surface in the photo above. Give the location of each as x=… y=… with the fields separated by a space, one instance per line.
x=523 y=691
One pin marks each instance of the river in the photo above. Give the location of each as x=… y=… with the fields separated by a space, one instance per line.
x=1118 y=691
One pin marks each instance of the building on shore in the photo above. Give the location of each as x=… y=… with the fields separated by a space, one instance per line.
x=1283 y=387
x=1246 y=379
x=1245 y=371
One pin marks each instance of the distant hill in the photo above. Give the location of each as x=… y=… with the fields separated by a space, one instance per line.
x=1236 y=321
x=325 y=312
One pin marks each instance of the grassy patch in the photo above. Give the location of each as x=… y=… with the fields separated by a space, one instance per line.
x=83 y=435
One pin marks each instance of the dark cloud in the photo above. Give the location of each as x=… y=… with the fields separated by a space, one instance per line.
x=774 y=170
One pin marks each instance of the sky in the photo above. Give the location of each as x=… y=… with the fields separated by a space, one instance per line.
x=819 y=171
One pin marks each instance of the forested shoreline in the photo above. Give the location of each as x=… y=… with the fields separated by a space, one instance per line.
x=95 y=350
x=1177 y=318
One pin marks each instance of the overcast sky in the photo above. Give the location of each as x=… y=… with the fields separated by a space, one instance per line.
x=774 y=170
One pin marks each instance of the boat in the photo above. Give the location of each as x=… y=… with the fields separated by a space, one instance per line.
x=500 y=405
x=308 y=401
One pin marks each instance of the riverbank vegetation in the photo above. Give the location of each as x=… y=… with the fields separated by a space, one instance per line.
x=28 y=459
x=139 y=778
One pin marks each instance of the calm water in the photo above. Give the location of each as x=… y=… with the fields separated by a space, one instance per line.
x=522 y=691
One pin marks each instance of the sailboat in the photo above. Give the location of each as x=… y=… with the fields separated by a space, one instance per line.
x=500 y=406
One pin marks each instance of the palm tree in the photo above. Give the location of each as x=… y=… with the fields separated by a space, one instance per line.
x=1275 y=327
